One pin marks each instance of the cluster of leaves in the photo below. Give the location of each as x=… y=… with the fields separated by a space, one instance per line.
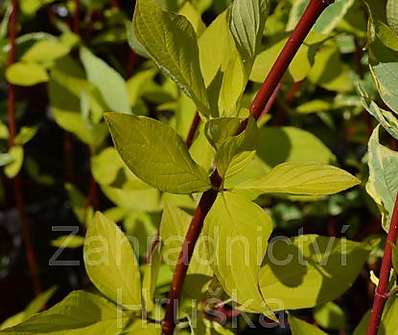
x=154 y=181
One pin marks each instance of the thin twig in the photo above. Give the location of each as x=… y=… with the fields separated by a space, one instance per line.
x=382 y=290
x=17 y=181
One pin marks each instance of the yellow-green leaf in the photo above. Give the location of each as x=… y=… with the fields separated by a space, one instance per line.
x=392 y=14
x=301 y=178
x=108 y=81
x=80 y=313
x=238 y=231
x=330 y=316
x=16 y=155
x=26 y=74
x=111 y=263
x=236 y=145
x=193 y=16
x=300 y=327
x=382 y=184
x=310 y=270
x=46 y=51
x=247 y=23
x=157 y=154
x=173 y=228
x=35 y=306
x=171 y=42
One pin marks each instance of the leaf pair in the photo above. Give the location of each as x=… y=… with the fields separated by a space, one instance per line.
x=157 y=155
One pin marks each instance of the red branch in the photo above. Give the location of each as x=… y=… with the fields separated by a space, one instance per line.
x=76 y=18
x=115 y=4
x=68 y=140
x=17 y=181
x=192 y=131
x=311 y=14
x=296 y=39
x=205 y=204
x=382 y=290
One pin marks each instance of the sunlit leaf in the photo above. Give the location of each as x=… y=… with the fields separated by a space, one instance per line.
x=327 y=21
x=35 y=306
x=300 y=178
x=171 y=42
x=45 y=51
x=16 y=154
x=392 y=14
x=193 y=16
x=26 y=74
x=247 y=25
x=236 y=145
x=79 y=313
x=173 y=228
x=156 y=154
x=383 y=180
x=109 y=82
x=111 y=263
x=233 y=226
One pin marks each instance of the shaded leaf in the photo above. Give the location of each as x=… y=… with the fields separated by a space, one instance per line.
x=300 y=327
x=330 y=316
x=310 y=270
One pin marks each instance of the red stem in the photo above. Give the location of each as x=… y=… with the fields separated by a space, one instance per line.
x=12 y=35
x=192 y=131
x=206 y=202
x=296 y=39
x=115 y=4
x=271 y=101
x=17 y=181
x=68 y=141
x=76 y=18
x=311 y=14
x=382 y=290
x=92 y=197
